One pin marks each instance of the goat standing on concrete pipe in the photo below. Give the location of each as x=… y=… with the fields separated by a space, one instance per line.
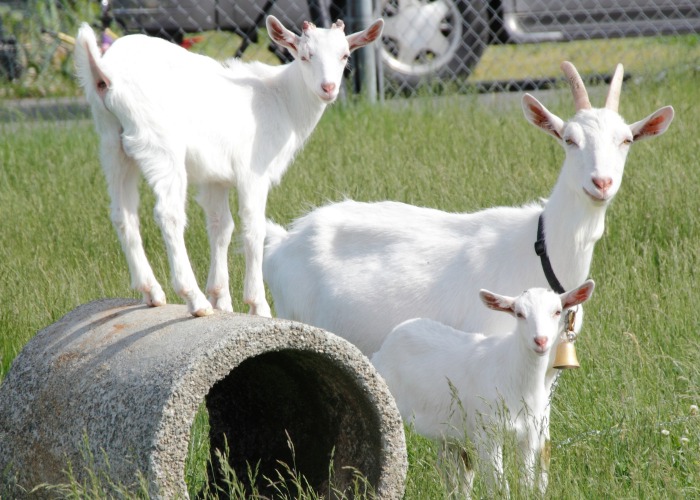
x=359 y=269
x=427 y=364
x=180 y=117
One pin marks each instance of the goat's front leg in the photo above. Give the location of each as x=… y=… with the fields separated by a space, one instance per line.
x=545 y=456
x=252 y=199
x=545 y=451
x=171 y=192
x=457 y=468
x=491 y=456
x=122 y=177
x=534 y=450
x=214 y=201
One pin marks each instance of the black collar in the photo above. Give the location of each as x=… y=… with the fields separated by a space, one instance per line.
x=541 y=250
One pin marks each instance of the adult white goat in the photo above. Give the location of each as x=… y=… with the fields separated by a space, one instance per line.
x=452 y=384
x=179 y=117
x=359 y=269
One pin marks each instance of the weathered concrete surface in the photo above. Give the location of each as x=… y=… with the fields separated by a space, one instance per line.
x=128 y=380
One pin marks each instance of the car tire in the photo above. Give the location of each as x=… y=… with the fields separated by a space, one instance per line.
x=426 y=39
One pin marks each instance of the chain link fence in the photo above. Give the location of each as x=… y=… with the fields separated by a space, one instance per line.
x=509 y=44
x=428 y=46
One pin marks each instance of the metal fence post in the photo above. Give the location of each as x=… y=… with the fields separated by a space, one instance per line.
x=367 y=61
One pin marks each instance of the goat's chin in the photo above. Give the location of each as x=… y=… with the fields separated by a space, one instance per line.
x=327 y=99
x=598 y=199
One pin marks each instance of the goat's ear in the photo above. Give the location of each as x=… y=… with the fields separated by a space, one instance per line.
x=653 y=125
x=281 y=35
x=497 y=302
x=540 y=117
x=577 y=295
x=366 y=36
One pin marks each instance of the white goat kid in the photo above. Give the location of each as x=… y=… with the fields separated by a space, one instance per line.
x=180 y=117
x=359 y=269
x=498 y=380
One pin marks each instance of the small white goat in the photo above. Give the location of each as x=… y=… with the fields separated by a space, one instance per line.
x=359 y=269
x=499 y=381
x=180 y=117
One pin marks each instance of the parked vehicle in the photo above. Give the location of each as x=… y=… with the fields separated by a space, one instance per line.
x=10 y=67
x=426 y=37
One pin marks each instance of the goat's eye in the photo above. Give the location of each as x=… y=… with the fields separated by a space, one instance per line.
x=519 y=315
x=557 y=314
x=569 y=141
x=627 y=141
x=306 y=58
x=345 y=57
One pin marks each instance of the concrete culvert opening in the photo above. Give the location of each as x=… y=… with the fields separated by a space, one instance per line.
x=127 y=381
x=296 y=411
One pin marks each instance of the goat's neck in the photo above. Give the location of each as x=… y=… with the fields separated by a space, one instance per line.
x=572 y=226
x=305 y=108
x=528 y=370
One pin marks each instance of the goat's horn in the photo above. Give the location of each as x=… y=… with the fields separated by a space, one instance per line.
x=307 y=26
x=613 y=100
x=578 y=89
x=339 y=24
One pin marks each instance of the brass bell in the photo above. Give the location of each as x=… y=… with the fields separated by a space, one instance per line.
x=565 y=356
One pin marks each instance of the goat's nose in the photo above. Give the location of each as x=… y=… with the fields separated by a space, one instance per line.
x=328 y=88
x=602 y=183
x=541 y=341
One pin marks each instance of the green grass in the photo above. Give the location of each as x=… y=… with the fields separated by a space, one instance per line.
x=591 y=56
x=639 y=348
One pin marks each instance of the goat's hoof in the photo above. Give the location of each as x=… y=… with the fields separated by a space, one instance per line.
x=154 y=299
x=206 y=311
x=262 y=310
x=200 y=307
x=221 y=303
x=197 y=303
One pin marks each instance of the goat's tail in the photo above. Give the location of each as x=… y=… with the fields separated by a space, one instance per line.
x=91 y=75
x=274 y=235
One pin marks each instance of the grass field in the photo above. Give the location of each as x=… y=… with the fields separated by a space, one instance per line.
x=621 y=425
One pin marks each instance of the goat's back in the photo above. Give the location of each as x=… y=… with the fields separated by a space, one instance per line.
x=164 y=100
x=359 y=269
x=134 y=57
x=442 y=378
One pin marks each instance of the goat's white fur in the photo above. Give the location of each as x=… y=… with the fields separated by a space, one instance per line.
x=498 y=381
x=359 y=269
x=180 y=117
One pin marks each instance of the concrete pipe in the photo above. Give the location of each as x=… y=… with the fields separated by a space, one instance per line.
x=123 y=382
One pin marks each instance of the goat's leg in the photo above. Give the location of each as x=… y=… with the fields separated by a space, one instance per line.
x=122 y=177
x=252 y=199
x=534 y=450
x=528 y=451
x=169 y=211
x=468 y=472
x=457 y=469
x=545 y=451
x=491 y=456
x=214 y=201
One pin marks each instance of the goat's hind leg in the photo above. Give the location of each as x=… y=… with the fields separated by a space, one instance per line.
x=171 y=196
x=215 y=202
x=122 y=177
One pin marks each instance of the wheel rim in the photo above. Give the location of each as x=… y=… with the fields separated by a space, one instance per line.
x=420 y=36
